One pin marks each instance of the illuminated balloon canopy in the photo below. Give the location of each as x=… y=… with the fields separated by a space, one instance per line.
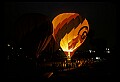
x=70 y=31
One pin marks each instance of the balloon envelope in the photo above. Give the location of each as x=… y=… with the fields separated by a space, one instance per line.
x=70 y=31
x=33 y=31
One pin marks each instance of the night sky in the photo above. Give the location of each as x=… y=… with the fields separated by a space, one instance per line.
x=101 y=16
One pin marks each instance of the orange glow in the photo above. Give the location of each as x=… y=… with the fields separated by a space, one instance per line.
x=70 y=31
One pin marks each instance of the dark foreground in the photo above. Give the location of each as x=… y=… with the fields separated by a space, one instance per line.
x=100 y=71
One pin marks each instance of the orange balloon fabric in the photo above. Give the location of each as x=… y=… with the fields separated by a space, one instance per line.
x=70 y=31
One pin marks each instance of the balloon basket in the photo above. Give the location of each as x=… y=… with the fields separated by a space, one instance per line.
x=69 y=57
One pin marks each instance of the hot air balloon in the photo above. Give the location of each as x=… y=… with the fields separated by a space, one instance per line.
x=70 y=31
x=33 y=32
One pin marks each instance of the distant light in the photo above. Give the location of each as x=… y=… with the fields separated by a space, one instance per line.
x=94 y=51
x=26 y=56
x=12 y=48
x=97 y=57
x=20 y=48
x=8 y=45
x=90 y=51
x=108 y=51
x=106 y=48
x=18 y=55
x=59 y=49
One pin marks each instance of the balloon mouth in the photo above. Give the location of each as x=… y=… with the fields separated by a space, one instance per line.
x=68 y=50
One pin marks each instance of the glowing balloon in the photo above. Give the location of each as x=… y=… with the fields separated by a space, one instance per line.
x=70 y=31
